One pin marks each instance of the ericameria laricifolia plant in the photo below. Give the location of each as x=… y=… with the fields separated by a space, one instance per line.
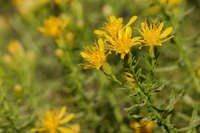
x=114 y=37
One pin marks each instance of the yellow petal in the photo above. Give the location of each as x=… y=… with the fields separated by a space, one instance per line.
x=128 y=74
x=122 y=56
x=135 y=125
x=166 y=32
x=144 y=26
x=52 y=131
x=137 y=38
x=62 y=112
x=132 y=20
x=109 y=38
x=160 y=27
x=112 y=18
x=99 y=32
x=142 y=33
x=128 y=32
x=38 y=129
x=167 y=39
x=120 y=34
x=149 y=126
x=84 y=54
x=86 y=66
x=101 y=45
x=65 y=130
x=67 y=118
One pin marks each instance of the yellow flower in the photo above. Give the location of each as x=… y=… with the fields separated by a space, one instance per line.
x=75 y=128
x=52 y=122
x=4 y=22
x=95 y=55
x=119 y=37
x=163 y=2
x=69 y=1
x=54 y=26
x=17 y=2
x=153 y=35
x=171 y=3
x=198 y=72
x=59 y=53
x=25 y=7
x=123 y=43
x=7 y=59
x=14 y=47
x=174 y=3
x=69 y=36
x=146 y=129
x=18 y=88
x=112 y=27
x=58 y=2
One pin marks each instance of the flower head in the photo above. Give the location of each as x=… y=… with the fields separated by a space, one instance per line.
x=95 y=55
x=17 y=2
x=25 y=7
x=70 y=37
x=59 y=53
x=52 y=122
x=119 y=37
x=171 y=3
x=174 y=3
x=53 y=26
x=7 y=59
x=123 y=42
x=198 y=72
x=153 y=34
x=113 y=26
x=58 y=2
x=15 y=47
x=139 y=129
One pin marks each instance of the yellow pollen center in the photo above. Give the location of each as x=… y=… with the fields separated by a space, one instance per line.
x=152 y=37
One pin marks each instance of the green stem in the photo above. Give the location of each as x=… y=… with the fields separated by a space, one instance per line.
x=157 y=114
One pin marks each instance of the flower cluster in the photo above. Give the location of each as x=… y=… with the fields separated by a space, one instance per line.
x=119 y=39
x=16 y=53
